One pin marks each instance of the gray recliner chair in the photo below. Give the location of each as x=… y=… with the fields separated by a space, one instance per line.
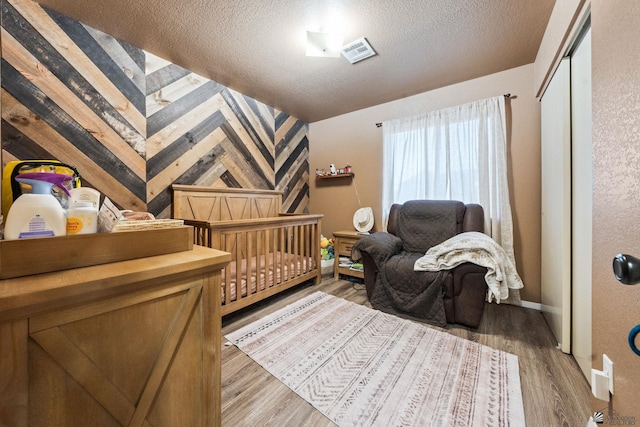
x=388 y=259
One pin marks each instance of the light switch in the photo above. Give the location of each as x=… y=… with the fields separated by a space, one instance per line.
x=600 y=384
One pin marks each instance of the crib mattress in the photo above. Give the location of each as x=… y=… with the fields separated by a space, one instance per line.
x=282 y=266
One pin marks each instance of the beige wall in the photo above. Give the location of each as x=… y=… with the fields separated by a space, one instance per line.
x=355 y=139
x=615 y=35
x=616 y=193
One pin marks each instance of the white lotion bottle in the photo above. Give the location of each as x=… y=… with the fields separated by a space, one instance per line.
x=38 y=214
x=82 y=218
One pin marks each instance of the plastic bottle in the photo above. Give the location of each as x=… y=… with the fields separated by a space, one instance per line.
x=38 y=214
x=82 y=218
x=85 y=194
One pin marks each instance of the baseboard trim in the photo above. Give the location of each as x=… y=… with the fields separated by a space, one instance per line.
x=532 y=305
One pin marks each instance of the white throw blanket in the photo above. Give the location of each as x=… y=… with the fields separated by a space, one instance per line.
x=479 y=249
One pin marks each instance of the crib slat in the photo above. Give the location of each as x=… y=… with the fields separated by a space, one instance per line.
x=276 y=263
x=291 y=253
x=226 y=283
x=268 y=256
x=282 y=249
x=250 y=257
x=239 y=262
x=297 y=247
x=260 y=282
x=309 y=237
x=307 y=249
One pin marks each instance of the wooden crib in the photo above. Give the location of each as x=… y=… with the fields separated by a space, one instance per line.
x=270 y=251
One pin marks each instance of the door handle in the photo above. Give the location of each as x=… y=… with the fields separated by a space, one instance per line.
x=627 y=270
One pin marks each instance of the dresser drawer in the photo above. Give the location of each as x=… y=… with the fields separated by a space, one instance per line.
x=345 y=245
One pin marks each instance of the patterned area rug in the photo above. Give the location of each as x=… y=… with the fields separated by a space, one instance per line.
x=362 y=367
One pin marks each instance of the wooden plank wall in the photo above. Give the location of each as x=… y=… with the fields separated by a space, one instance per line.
x=132 y=123
x=292 y=162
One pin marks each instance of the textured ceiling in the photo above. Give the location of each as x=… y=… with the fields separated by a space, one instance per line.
x=257 y=46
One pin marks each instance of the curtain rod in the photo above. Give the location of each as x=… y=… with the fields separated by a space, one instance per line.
x=506 y=95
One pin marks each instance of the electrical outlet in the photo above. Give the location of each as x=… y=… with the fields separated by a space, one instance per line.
x=607 y=366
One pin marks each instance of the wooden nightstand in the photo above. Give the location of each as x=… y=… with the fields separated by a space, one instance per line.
x=344 y=241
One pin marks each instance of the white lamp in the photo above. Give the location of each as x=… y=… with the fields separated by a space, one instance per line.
x=326 y=45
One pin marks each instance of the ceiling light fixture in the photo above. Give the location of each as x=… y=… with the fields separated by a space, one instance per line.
x=326 y=45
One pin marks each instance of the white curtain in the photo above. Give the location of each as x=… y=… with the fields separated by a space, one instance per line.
x=457 y=153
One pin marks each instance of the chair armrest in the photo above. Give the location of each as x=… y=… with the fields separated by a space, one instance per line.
x=380 y=246
x=370 y=273
x=467 y=293
x=473 y=218
x=374 y=250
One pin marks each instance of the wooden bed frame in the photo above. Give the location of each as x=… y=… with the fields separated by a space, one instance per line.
x=270 y=251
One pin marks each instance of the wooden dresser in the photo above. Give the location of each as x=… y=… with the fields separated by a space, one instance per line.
x=127 y=343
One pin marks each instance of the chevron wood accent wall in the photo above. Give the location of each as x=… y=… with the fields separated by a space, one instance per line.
x=134 y=124
x=292 y=162
x=200 y=132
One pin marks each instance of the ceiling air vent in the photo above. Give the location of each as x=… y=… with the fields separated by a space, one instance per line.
x=357 y=50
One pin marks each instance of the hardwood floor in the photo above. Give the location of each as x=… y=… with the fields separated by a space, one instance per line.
x=554 y=391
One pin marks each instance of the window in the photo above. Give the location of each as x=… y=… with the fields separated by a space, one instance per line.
x=458 y=153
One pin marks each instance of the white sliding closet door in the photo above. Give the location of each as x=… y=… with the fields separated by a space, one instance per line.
x=582 y=208
x=556 y=205
x=567 y=204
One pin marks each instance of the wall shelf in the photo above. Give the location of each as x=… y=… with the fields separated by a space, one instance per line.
x=341 y=175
